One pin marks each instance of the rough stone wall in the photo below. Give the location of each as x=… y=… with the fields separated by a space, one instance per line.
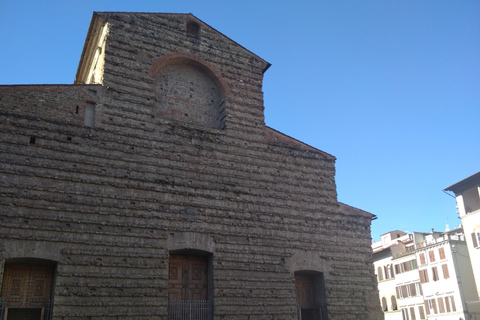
x=109 y=203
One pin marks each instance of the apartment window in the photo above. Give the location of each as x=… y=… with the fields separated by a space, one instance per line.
x=422 y=259
x=441 y=253
x=310 y=295
x=384 y=304
x=412 y=313
x=408 y=290
x=406 y=266
x=380 y=274
x=388 y=272
x=431 y=255
x=431 y=306
x=421 y=311
x=412 y=289
x=450 y=304
x=397 y=269
x=189 y=286
x=476 y=238
x=394 y=303
x=435 y=274
x=399 y=292
x=423 y=275
x=446 y=275
x=405 y=314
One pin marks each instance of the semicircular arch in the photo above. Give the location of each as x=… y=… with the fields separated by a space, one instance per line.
x=190 y=90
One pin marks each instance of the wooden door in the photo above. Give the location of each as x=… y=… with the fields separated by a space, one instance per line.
x=27 y=288
x=307 y=305
x=187 y=278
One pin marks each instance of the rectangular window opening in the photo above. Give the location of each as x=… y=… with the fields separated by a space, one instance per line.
x=89 y=115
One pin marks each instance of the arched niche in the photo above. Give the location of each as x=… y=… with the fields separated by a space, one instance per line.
x=187 y=89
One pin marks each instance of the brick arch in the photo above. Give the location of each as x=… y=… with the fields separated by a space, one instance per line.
x=189 y=90
x=32 y=249
x=181 y=57
x=190 y=241
x=307 y=260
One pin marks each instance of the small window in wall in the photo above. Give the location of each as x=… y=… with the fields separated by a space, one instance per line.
x=27 y=288
x=193 y=29
x=89 y=119
x=190 y=293
x=310 y=293
x=431 y=255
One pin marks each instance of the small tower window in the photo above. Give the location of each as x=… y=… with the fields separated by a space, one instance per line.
x=193 y=29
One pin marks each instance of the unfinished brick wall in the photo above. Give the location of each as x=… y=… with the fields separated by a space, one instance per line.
x=110 y=202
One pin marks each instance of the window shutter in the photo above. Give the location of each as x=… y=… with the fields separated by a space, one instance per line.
x=435 y=274
x=441 y=253
x=422 y=313
x=474 y=238
x=446 y=275
x=453 y=304
x=412 y=313
x=422 y=278
x=434 y=306
x=427 y=308
x=404 y=291
x=447 y=304
x=422 y=259
x=431 y=255
x=441 y=305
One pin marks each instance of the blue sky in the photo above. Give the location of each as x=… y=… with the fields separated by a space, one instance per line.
x=391 y=88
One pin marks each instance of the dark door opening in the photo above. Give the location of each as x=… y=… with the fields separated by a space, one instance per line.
x=310 y=292
x=188 y=288
x=27 y=289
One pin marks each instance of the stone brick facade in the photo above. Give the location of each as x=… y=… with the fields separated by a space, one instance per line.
x=160 y=148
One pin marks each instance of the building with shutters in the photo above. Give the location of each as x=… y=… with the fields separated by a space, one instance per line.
x=429 y=276
x=152 y=189
x=467 y=195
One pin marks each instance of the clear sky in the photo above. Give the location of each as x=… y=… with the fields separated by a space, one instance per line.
x=391 y=88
